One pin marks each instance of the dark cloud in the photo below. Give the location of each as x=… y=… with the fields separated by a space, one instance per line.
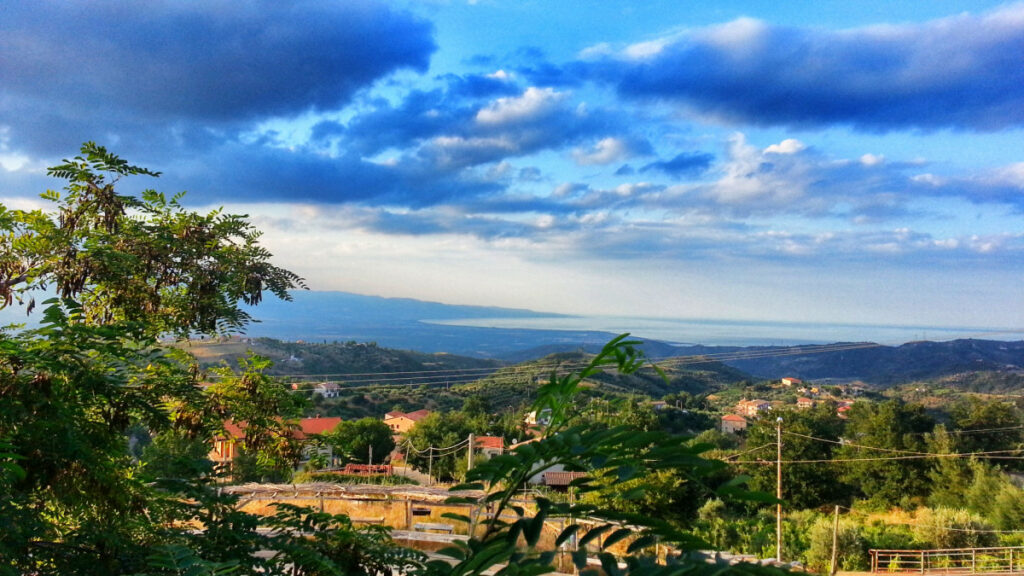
x=269 y=174
x=479 y=85
x=418 y=116
x=684 y=164
x=114 y=66
x=963 y=72
x=447 y=131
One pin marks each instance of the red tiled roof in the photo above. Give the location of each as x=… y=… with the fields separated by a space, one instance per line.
x=492 y=442
x=235 y=430
x=307 y=426
x=417 y=415
x=414 y=416
x=318 y=425
x=734 y=418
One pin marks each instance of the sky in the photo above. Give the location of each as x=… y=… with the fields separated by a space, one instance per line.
x=849 y=162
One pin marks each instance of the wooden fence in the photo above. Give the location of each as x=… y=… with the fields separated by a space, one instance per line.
x=1003 y=560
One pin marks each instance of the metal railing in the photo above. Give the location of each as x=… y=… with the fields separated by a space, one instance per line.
x=1003 y=560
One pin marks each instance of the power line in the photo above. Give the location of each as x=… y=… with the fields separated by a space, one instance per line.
x=992 y=455
x=851 y=444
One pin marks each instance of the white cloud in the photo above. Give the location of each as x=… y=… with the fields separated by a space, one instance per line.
x=927 y=178
x=596 y=51
x=534 y=103
x=642 y=50
x=749 y=177
x=872 y=159
x=604 y=152
x=787 y=146
x=1012 y=175
x=739 y=37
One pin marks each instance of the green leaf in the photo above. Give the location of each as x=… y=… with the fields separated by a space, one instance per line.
x=616 y=536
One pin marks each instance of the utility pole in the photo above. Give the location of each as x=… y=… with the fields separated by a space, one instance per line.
x=469 y=458
x=430 y=466
x=371 y=454
x=835 y=543
x=778 y=490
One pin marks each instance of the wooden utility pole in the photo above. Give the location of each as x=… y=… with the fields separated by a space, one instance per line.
x=835 y=543
x=778 y=490
x=430 y=466
x=469 y=457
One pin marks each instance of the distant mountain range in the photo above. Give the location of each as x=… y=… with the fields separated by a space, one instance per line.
x=407 y=324
x=887 y=365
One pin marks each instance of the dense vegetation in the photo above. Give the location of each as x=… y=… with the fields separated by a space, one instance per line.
x=76 y=497
x=104 y=429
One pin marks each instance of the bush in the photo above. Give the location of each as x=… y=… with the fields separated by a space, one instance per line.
x=852 y=548
x=949 y=528
x=881 y=536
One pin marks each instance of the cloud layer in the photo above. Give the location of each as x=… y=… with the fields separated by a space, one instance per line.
x=711 y=145
x=112 y=67
x=964 y=72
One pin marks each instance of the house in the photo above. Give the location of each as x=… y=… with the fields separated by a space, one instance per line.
x=733 y=423
x=225 y=448
x=803 y=403
x=791 y=382
x=541 y=419
x=401 y=422
x=327 y=389
x=841 y=412
x=751 y=408
x=490 y=445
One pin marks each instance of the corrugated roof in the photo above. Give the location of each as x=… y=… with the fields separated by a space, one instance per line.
x=560 y=478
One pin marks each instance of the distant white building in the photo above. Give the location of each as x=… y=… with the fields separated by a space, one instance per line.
x=751 y=408
x=541 y=419
x=327 y=389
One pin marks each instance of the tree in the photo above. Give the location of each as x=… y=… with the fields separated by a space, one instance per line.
x=878 y=433
x=986 y=425
x=354 y=441
x=434 y=443
x=126 y=270
x=511 y=534
x=808 y=435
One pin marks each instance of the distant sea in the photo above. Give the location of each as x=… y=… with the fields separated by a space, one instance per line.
x=323 y=316
x=739 y=332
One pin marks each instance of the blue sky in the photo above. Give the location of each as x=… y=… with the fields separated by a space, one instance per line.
x=854 y=162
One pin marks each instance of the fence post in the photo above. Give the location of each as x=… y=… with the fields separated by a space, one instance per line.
x=974 y=560
x=922 y=561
